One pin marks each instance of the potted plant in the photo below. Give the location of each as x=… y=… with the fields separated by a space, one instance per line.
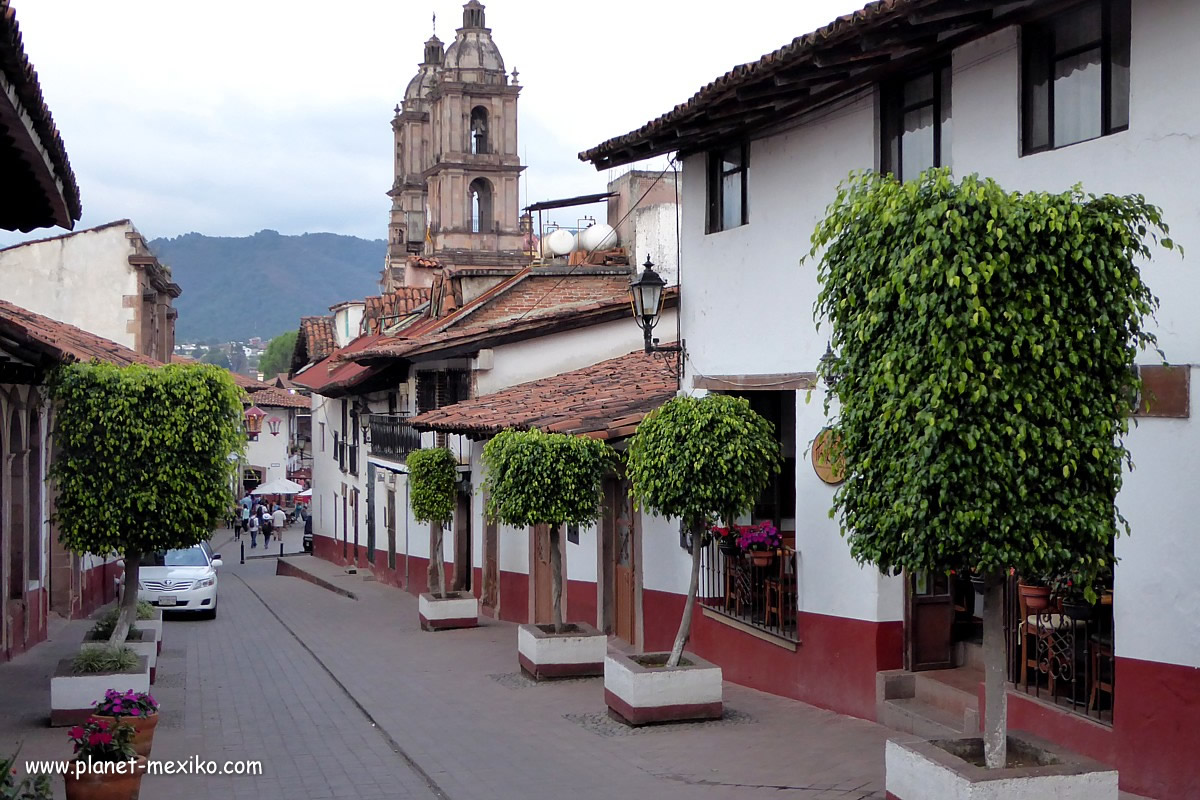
x=113 y=770
x=1072 y=598
x=140 y=641
x=761 y=543
x=432 y=474
x=117 y=492
x=78 y=681
x=727 y=539
x=28 y=787
x=982 y=444
x=535 y=478
x=1036 y=594
x=137 y=709
x=694 y=459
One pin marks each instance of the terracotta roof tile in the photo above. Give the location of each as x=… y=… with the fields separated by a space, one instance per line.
x=382 y=312
x=281 y=398
x=59 y=342
x=333 y=374
x=20 y=74
x=318 y=335
x=601 y=401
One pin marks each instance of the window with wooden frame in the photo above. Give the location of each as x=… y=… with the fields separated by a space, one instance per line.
x=727 y=207
x=1075 y=76
x=915 y=123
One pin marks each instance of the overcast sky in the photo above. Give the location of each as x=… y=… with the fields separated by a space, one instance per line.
x=229 y=117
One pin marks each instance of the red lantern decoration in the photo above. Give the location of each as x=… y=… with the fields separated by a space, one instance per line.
x=254 y=422
x=273 y=423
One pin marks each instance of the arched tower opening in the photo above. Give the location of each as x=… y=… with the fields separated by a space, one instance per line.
x=479 y=131
x=481 y=206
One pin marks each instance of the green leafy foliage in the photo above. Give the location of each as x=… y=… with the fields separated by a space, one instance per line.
x=92 y=660
x=144 y=454
x=25 y=787
x=538 y=478
x=107 y=622
x=702 y=459
x=984 y=343
x=277 y=357
x=431 y=477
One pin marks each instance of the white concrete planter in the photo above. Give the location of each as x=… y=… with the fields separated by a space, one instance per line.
x=453 y=610
x=72 y=696
x=155 y=624
x=575 y=653
x=637 y=692
x=936 y=769
x=146 y=646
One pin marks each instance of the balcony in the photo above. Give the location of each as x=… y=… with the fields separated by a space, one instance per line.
x=392 y=437
x=761 y=595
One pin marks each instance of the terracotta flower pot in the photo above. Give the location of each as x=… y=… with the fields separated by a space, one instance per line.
x=143 y=739
x=762 y=558
x=1037 y=598
x=729 y=548
x=111 y=786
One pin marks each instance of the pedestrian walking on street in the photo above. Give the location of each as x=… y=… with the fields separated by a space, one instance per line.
x=264 y=524
x=278 y=521
x=253 y=523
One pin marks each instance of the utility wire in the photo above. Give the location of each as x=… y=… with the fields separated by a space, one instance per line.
x=633 y=208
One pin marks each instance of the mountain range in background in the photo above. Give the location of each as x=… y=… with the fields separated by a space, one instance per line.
x=235 y=288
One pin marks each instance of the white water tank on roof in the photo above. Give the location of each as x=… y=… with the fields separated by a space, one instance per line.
x=598 y=237
x=561 y=242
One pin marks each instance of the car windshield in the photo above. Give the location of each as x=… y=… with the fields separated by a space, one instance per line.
x=188 y=557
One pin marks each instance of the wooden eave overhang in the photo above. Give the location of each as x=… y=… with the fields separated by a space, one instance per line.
x=852 y=52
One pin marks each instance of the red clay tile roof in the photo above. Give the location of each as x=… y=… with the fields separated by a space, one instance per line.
x=178 y=359
x=282 y=398
x=539 y=293
x=246 y=382
x=51 y=341
x=604 y=401
x=853 y=50
x=319 y=336
x=20 y=74
x=333 y=375
x=383 y=311
x=474 y=336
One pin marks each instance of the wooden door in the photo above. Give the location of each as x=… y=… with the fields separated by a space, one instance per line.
x=391 y=528
x=929 y=621
x=354 y=510
x=491 y=567
x=462 y=544
x=624 y=555
x=543 y=604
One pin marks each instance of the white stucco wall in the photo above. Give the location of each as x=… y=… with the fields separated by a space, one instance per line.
x=752 y=273
x=270 y=452
x=654 y=234
x=544 y=356
x=78 y=278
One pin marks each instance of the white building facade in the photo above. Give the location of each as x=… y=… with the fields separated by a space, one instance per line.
x=747 y=316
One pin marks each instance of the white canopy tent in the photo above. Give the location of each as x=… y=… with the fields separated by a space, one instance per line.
x=279 y=486
x=307 y=493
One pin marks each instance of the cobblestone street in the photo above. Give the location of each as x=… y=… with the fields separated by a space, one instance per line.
x=341 y=697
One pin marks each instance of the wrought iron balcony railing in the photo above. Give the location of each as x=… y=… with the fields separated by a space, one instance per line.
x=392 y=436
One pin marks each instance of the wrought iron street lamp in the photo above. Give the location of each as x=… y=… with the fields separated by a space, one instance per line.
x=829 y=367
x=646 y=292
x=363 y=410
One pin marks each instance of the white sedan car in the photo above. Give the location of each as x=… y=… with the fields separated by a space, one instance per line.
x=181 y=580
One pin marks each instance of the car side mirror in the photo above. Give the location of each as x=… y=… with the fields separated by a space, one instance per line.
x=217 y=562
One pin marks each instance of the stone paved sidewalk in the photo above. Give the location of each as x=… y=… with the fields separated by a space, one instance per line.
x=455 y=702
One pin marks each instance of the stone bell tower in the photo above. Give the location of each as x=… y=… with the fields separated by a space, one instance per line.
x=455 y=193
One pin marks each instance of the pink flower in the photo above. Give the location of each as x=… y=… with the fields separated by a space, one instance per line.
x=76 y=732
x=133 y=712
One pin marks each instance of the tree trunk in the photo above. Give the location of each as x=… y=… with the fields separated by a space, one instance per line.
x=995 y=725
x=685 y=624
x=437 y=567
x=556 y=577
x=129 y=598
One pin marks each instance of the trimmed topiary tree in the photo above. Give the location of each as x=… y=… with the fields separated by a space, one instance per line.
x=536 y=478
x=701 y=459
x=432 y=474
x=984 y=348
x=143 y=460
